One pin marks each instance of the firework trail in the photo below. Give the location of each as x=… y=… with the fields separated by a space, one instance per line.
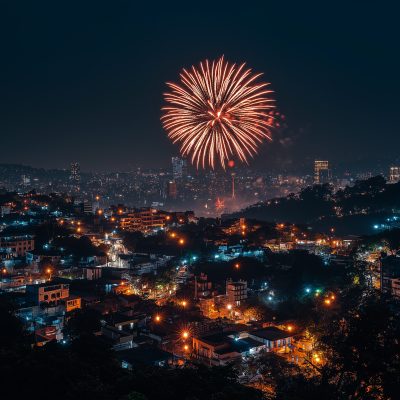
x=218 y=112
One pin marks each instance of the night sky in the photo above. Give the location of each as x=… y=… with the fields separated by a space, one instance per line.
x=83 y=81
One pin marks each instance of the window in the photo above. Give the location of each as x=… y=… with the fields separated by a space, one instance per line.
x=58 y=294
x=279 y=343
x=46 y=297
x=53 y=295
x=284 y=342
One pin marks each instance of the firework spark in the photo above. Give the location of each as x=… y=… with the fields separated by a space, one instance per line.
x=218 y=112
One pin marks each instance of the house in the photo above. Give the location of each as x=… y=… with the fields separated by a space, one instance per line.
x=223 y=346
x=236 y=292
x=143 y=356
x=46 y=292
x=275 y=339
x=35 y=256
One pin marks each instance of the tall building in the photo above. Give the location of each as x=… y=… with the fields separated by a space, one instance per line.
x=179 y=167
x=321 y=172
x=394 y=174
x=75 y=174
x=172 y=189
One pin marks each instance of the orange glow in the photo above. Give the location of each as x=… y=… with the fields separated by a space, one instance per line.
x=181 y=241
x=79 y=229
x=157 y=318
x=4 y=270
x=231 y=163
x=48 y=270
x=333 y=297
x=61 y=222
x=186 y=347
x=317 y=294
x=184 y=303
x=332 y=230
x=237 y=265
x=100 y=211
x=185 y=334
x=112 y=219
x=205 y=115
x=173 y=234
x=243 y=226
x=290 y=328
x=167 y=217
x=120 y=211
x=327 y=301
x=243 y=233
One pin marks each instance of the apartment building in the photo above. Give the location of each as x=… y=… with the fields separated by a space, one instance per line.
x=16 y=244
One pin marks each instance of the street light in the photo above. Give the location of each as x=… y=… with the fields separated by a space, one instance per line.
x=185 y=335
x=184 y=303
x=237 y=265
x=229 y=306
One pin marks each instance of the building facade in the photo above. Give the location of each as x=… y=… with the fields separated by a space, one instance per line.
x=75 y=174
x=16 y=245
x=320 y=171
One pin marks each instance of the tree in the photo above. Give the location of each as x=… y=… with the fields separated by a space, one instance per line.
x=82 y=320
x=360 y=345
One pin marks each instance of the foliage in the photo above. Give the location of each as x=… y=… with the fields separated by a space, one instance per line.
x=82 y=320
x=360 y=344
x=248 y=269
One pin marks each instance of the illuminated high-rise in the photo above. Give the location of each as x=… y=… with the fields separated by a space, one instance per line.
x=172 y=189
x=394 y=174
x=321 y=172
x=75 y=174
x=179 y=167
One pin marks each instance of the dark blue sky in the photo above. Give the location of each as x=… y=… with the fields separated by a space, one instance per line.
x=83 y=81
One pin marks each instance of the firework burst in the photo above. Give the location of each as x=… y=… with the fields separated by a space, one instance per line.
x=218 y=112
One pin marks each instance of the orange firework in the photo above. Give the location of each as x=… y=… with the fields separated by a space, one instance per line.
x=218 y=112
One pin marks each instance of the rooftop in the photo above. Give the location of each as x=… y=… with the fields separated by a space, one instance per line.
x=142 y=355
x=271 y=333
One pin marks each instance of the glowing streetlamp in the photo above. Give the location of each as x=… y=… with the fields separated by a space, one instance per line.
x=237 y=265
x=157 y=318
x=185 y=335
x=184 y=303
x=229 y=306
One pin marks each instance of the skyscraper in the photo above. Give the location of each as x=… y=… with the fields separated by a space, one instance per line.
x=172 y=189
x=321 y=172
x=179 y=167
x=394 y=174
x=75 y=174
